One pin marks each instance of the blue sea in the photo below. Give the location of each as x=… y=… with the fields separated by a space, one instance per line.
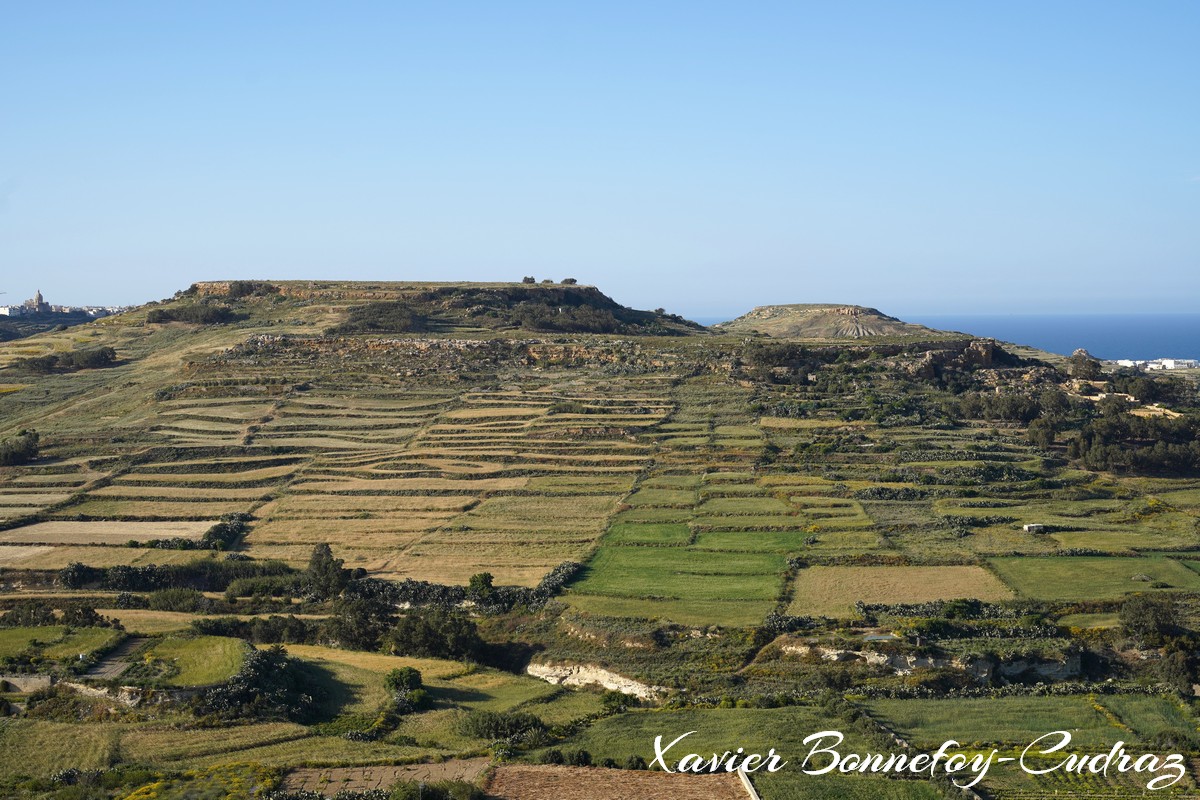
x=1109 y=336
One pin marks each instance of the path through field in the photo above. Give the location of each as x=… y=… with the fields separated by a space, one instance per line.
x=113 y=665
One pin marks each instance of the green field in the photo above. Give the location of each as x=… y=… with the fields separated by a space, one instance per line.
x=1019 y=720
x=1091 y=578
x=199 y=660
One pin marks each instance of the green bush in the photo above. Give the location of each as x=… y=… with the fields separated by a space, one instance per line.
x=407 y=678
x=498 y=724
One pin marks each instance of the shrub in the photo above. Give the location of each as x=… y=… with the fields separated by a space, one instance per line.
x=438 y=790
x=498 y=724
x=188 y=600
x=28 y=614
x=405 y=678
x=201 y=314
x=19 y=449
x=270 y=685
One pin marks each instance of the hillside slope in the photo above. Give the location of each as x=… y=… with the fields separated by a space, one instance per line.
x=821 y=321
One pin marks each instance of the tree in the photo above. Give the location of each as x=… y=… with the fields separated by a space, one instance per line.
x=20 y=449
x=28 y=614
x=529 y=279
x=434 y=633
x=404 y=678
x=1083 y=366
x=1041 y=433
x=480 y=588
x=270 y=685
x=569 y=281
x=1148 y=618
x=358 y=622
x=325 y=577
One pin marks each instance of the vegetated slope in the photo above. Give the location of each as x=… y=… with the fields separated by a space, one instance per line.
x=419 y=307
x=557 y=309
x=822 y=321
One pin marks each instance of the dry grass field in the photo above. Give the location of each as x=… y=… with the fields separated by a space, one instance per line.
x=85 y=533
x=832 y=591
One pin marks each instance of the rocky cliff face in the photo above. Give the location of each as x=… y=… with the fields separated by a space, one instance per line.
x=590 y=675
x=983 y=670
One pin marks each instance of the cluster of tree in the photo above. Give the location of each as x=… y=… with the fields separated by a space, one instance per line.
x=19 y=449
x=206 y=575
x=480 y=590
x=92 y=358
x=565 y=281
x=393 y=317
x=1013 y=407
x=363 y=623
x=566 y=308
x=1153 y=621
x=221 y=536
x=239 y=289
x=434 y=633
x=577 y=319
x=38 y=613
x=1123 y=442
x=274 y=629
x=187 y=600
x=270 y=685
x=196 y=314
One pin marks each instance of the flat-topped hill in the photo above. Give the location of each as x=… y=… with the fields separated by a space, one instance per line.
x=822 y=321
x=414 y=307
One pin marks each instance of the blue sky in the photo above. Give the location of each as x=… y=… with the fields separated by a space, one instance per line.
x=707 y=157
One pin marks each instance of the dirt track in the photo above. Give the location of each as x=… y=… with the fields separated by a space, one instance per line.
x=519 y=782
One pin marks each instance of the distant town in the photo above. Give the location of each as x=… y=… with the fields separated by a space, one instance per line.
x=37 y=306
x=1159 y=363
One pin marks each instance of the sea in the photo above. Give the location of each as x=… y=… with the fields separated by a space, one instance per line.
x=1141 y=337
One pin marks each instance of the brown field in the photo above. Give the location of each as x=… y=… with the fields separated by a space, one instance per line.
x=25 y=498
x=190 y=492
x=323 y=505
x=44 y=557
x=832 y=591
x=109 y=508
x=263 y=473
x=522 y=782
x=65 y=532
x=331 y=780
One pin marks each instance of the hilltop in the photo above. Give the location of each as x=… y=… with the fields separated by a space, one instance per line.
x=433 y=307
x=822 y=321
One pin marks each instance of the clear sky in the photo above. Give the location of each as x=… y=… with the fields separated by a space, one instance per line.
x=920 y=157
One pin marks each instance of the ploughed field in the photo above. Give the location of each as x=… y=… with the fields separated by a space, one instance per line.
x=721 y=514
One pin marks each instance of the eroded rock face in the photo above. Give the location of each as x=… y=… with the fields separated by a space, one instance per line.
x=983 y=670
x=590 y=675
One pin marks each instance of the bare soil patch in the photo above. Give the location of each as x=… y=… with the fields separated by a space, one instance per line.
x=520 y=782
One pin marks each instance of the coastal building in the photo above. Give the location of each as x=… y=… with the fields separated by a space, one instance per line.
x=1159 y=363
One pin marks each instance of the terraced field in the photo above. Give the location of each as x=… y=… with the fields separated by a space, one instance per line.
x=728 y=497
